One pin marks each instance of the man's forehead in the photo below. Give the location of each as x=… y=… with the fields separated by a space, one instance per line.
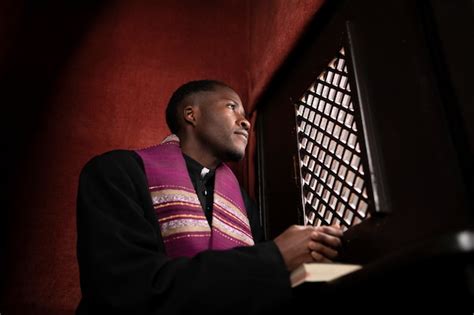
x=223 y=93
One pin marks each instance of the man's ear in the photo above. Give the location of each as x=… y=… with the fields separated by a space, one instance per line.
x=189 y=114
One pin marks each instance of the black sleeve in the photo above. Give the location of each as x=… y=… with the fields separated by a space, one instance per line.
x=123 y=269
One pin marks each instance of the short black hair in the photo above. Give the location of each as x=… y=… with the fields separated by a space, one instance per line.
x=184 y=91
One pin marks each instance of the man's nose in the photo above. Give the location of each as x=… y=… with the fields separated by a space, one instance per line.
x=244 y=123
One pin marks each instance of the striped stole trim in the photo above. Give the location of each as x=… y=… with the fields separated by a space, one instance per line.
x=182 y=222
x=178 y=222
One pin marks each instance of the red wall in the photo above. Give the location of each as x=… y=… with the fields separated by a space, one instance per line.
x=275 y=27
x=80 y=79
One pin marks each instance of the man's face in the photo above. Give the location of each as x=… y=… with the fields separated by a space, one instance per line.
x=221 y=126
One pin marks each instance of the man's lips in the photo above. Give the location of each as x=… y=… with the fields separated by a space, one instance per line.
x=243 y=133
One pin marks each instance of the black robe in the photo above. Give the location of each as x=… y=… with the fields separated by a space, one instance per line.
x=123 y=268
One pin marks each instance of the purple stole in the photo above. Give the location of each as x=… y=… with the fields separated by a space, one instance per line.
x=182 y=222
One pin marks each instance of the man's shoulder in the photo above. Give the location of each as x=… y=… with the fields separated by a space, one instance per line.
x=119 y=154
x=114 y=159
x=113 y=156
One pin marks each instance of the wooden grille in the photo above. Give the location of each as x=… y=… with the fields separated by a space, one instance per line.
x=335 y=185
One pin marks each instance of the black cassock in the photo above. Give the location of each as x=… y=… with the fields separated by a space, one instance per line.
x=123 y=268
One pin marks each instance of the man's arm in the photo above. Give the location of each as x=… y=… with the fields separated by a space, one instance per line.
x=122 y=263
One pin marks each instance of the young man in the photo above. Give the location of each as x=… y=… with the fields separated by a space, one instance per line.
x=167 y=229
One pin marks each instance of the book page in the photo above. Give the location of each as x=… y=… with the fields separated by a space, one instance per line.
x=320 y=272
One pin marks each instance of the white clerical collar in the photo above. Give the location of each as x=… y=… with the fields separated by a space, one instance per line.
x=204 y=172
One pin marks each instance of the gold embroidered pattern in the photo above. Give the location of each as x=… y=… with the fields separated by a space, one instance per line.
x=230 y=209
x=231 y=230
x=184 y=226
x=177 y=216
x=177 y=237
x=173 y=195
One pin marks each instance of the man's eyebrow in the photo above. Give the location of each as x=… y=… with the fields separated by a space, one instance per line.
x=233 y=101
x=238 y=104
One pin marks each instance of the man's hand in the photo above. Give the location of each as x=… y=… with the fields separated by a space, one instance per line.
x=299 y=244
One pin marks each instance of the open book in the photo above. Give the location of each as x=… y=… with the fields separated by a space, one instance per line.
x=320 y=272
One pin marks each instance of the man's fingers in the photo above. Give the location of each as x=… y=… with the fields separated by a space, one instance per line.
x=322 y=249
x=317 y=257
x=334 y=230
x=327 y=239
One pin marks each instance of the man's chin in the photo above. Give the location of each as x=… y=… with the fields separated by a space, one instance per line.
x=235 y=156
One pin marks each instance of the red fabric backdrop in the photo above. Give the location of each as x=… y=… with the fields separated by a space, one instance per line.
x=81 y=79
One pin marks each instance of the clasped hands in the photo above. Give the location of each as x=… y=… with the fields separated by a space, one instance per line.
x=301 y=244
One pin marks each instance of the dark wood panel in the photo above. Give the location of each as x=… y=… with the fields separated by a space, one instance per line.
x=424 y=166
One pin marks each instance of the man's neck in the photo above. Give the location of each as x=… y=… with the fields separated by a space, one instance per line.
x=201 y=156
